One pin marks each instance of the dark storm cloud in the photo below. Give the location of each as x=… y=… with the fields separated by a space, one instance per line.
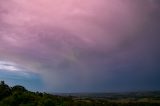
x=84 y=45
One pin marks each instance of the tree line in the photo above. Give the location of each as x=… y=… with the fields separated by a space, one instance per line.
x=20 y=96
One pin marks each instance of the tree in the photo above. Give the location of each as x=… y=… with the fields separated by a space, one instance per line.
x=4 y=90
x=2 y=83
x=18 y=88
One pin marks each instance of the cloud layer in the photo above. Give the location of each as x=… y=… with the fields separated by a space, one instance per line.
x=83 y=45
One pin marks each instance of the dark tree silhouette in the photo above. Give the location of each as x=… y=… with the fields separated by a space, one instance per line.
x=4 y=90
x=18 y=88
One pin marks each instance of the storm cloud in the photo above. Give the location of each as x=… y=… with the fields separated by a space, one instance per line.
x=84 y=45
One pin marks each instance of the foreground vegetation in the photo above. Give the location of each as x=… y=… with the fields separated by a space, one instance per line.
x=19 y=96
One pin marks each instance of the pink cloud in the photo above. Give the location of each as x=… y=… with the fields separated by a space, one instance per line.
x=57 y=37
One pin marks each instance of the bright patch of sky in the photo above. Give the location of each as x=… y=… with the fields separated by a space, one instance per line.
x=13 y=74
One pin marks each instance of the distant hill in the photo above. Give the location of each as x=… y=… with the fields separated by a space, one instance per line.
x=145 y=94
x=20 y=96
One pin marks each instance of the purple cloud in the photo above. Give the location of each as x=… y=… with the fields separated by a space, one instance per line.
x=80 y=45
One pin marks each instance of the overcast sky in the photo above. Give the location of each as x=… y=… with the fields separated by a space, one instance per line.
x=80 y=45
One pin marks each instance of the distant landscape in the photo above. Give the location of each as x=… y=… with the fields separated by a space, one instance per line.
x=20 y=96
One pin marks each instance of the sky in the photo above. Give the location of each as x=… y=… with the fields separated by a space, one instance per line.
x=80 y=45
